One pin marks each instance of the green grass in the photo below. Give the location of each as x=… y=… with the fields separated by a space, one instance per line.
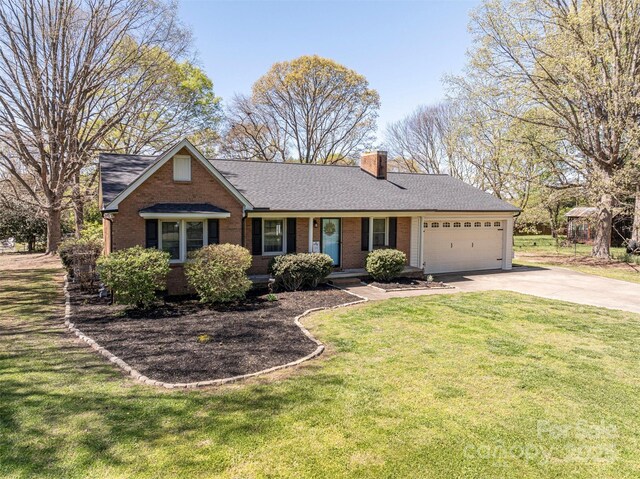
x=547 y=244
x=543 y=250
x=425 y=387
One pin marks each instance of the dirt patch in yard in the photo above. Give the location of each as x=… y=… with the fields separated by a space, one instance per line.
x=184 y=341
x=27 y=261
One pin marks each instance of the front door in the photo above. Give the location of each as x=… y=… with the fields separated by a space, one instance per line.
x=331 y=239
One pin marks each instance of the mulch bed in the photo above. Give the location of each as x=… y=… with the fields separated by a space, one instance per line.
x=408 y=283
x=163 y=343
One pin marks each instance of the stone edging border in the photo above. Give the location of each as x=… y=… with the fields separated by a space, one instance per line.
x=214 y=382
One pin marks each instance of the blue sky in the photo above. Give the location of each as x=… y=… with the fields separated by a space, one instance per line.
x=404 y=48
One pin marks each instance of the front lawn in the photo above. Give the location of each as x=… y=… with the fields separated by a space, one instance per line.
x=467 y=385
x=541 y=250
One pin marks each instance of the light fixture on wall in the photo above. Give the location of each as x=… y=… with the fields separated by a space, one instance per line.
x=315 y=223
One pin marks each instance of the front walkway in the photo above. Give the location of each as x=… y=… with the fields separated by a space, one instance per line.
x=548 y=282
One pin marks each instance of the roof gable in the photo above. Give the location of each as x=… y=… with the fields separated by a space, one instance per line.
x=154 y=164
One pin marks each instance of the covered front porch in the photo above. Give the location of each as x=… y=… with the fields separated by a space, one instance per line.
x=347 y=237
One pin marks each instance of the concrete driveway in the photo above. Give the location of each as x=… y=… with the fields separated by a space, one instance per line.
x=546 y=282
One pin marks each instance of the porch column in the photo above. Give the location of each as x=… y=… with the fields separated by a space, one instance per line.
x=310 y=235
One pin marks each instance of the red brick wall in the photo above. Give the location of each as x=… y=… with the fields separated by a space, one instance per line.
x=261 y=263
x=129 y=227
x=404 y=235
x=351 y=255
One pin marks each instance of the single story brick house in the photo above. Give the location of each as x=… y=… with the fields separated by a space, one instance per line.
x=179 y=201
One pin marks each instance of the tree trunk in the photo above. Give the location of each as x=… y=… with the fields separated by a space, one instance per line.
x=635 y=230
x=602 y=238
x=78 y=206
x=54 y=229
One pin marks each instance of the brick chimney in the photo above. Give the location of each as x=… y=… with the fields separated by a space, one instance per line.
x=375 y=163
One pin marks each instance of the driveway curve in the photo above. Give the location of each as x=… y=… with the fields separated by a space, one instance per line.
x=546 y=282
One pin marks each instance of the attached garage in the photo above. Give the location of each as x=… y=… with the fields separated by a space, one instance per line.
x=463 y=245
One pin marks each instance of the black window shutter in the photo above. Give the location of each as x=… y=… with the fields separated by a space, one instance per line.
x=213 y=231
x=364 y=238
x=151 y=236
x=256 y=236
x=393 y=232
x=291 y=235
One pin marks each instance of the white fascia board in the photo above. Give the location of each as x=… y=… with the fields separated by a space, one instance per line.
x=184 y=215
x=166 y=156
x=379 y=214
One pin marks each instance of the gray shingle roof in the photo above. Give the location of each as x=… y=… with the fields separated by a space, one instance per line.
x=118 y=171
x=299 y=187
x=182 y=208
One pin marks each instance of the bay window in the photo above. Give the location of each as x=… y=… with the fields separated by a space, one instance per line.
x=195 y=235
x=170 y=238
x=181 y=237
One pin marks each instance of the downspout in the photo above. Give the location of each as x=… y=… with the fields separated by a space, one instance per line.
x=106 y=216
x=242 y=226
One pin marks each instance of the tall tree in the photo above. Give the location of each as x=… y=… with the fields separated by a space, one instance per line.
x=70 y=70
x=180 y=104
x=311 y=110
x=426 y=141
x=577 y=65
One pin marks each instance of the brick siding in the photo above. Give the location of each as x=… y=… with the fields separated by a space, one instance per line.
x=128 y=227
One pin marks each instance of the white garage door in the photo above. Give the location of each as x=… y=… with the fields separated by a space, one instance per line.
x=462 y=245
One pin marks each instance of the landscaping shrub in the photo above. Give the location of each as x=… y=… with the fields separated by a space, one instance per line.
x=92 y=230
x=79 y=257
x=385 y=264
x=218 y=272
x=295 y=271
x=135 y=274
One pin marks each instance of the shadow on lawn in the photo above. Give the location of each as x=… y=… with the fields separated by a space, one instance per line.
x=64 y=409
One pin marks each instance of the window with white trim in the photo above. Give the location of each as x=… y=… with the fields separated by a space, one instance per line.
x=456 y=224
x=170 y=238
x=181 y=237
x=273 y=236
x=487 y=224
x=497 y=224
x=446 y=224
x=435 y=225
x=181 y=168
x=477 y=224
x=379 y=233
x=467 y=224
x=195 y=235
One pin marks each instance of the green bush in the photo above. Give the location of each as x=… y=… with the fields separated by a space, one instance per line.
x=79 y=257
x=385 y=264
x=218 y=272
x=92 y=230
x=295 y=271
x=135 y=274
